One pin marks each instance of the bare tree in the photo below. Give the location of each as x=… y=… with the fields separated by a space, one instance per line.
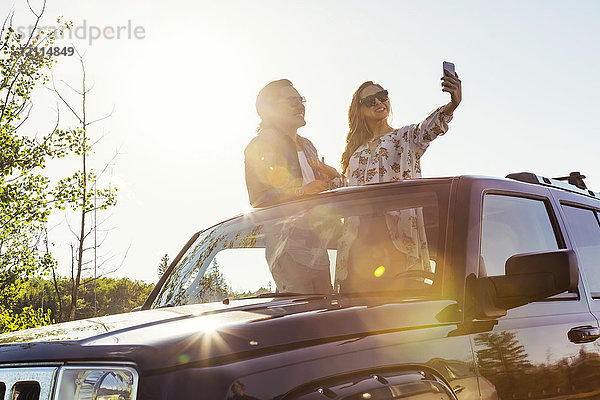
x=80 y=191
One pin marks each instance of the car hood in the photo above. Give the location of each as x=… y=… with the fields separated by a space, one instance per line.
x=217 y=333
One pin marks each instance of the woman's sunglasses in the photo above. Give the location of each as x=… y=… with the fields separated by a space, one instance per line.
x=369 y=101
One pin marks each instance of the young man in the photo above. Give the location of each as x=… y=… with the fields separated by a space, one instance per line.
x=280 y=164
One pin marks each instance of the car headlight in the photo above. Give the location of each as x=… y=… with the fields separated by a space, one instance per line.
x=96 y=383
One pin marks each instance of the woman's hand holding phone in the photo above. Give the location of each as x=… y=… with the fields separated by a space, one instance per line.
x=453 y=85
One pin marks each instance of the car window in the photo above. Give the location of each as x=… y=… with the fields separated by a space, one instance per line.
x=513 y=225
x=585 y=231
x=375 y=244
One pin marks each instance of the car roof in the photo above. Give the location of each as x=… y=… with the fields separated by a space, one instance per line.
x=520 y=179
x=572 y=183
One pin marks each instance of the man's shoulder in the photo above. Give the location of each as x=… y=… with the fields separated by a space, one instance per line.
x=306 y=143
x=304 y=139
x=266 y=137
x=265 y=140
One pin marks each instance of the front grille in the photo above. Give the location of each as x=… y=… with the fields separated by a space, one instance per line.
x=27 y=383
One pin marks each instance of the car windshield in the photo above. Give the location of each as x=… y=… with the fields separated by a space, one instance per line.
x=369 y=242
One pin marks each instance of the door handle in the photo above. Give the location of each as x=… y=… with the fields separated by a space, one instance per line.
x=584 y=334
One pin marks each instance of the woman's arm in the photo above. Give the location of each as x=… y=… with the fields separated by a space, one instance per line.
x=436 y=123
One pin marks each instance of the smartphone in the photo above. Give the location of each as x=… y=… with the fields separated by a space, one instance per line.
x=448 y=66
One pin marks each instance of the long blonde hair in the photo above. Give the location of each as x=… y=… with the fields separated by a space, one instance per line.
x=359 y=132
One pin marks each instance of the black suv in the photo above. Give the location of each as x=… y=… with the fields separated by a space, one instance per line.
x=447 y=288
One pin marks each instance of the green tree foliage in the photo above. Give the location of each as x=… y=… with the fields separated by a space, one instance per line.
x=25 y=196
x=27 y=317
x=164 y=264
x=262 y=290
x=213 y=286
x=113 y=296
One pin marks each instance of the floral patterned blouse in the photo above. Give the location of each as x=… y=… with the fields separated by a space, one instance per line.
x=396 y=155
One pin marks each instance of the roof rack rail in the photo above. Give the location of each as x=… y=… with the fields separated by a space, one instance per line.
x=574 y=178
x=572 y=183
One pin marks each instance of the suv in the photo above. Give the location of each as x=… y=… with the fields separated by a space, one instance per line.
x=446 y=288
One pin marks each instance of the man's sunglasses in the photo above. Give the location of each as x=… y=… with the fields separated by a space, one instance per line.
x=369 y=101
x=294 y=101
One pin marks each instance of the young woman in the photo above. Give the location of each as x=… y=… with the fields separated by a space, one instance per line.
x=384 y=246
x=376 y=152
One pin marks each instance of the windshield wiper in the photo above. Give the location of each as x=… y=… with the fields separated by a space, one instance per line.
x=259 y=296
x=279 y=294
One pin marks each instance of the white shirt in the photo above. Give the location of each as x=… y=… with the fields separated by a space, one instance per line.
x=307 y=172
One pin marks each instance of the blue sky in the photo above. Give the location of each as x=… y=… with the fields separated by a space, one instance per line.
x=183 y=96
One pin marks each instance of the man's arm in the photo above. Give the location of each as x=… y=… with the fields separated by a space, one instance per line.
x=260 y=177
x=262 y=195
x=269 y=181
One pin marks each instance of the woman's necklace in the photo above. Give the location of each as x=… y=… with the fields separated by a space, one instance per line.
x=374 y=143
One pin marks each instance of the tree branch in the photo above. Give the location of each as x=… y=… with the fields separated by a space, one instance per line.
x=31 y=34
x=26 y=117
x=103 y=118
x=63 y=100
x=8 y=19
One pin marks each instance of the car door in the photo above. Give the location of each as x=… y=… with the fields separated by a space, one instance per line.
x=583 y=219
x=527 y=354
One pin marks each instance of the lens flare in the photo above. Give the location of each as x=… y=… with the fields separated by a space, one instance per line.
x=184 y=358
x=278 y=176
x=379 y=271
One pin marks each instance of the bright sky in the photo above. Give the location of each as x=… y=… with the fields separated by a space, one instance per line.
x=183 y=95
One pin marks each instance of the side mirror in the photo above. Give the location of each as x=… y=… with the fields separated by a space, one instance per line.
x=529 y=277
